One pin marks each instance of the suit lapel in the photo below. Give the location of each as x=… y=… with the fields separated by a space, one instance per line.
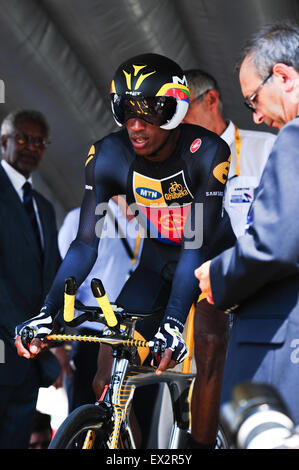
x=10 y=197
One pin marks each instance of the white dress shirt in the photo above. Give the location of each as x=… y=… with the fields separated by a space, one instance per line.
x=245 y=172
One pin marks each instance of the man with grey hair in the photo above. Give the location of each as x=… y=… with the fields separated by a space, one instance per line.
x=249 y=153
x=258 y=278
x=249 y=149
x=29 y=260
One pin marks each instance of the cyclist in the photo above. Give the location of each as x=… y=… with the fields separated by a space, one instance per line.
x=153 y=154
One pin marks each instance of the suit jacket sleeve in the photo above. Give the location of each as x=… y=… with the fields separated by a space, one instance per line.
x=269 y=249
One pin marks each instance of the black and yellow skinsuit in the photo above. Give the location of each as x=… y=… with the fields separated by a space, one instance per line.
x=188 y=186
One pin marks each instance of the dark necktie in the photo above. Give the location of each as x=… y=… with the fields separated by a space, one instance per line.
x=28 y=204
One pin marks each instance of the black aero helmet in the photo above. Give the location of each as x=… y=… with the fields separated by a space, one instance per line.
x=150 y=87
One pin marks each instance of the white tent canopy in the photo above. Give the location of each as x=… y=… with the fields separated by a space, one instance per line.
x=59 y=56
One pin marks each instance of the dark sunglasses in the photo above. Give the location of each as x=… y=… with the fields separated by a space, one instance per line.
x=25 y=139
x=155 y=110
x=249 y=102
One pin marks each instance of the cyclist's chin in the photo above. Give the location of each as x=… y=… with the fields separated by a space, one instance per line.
x=146 y=151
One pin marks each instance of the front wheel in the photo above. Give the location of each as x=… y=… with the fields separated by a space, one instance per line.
x=222 y=441
x=87 y=427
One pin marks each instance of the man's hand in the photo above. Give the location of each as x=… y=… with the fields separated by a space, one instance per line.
x=168 y=346
x=40 y=326
x=203 y=275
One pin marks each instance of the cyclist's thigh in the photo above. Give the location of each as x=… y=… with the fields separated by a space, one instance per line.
x=148 y=288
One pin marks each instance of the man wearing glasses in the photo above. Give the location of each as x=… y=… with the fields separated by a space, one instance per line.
x=249 y=149
x=258 y=279
x=249 y=153
x=29 y=260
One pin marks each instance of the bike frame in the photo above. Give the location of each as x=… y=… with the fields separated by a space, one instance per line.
x=126 y=375
x=125 y=378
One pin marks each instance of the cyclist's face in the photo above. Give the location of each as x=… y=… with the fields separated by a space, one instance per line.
x=26 y=157
x=146 y=138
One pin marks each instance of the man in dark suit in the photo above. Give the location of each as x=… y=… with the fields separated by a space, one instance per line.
x=29 y=258
x=258 y=279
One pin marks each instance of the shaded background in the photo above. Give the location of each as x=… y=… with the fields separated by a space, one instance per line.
x=59 y=56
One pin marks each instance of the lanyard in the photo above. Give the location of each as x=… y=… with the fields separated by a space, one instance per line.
x=136 y=249
x=238 y=150
x=131 y=253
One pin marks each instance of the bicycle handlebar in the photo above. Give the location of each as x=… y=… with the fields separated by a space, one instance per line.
x=102 y=299
x=93 y=315
x=99 y=339
x=70 y=289
x=27 y=335
x=102 y=314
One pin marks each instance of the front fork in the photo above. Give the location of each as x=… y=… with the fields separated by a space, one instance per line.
x=121 y=397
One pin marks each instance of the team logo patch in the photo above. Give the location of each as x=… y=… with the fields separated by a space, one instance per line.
x=195 y=145
x=150 y=192
x=90 y=155
x=242 y=198
x=221 y=171
x=155 y=198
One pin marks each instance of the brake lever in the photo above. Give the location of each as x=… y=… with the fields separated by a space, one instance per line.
x=27 y=335
x=157 y=352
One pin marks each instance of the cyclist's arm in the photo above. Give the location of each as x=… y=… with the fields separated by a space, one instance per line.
x=216 y=233
x=83 y=251
x=215 y=227
x=102 y=182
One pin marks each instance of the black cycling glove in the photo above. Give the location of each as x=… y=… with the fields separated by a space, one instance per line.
x=169 y=336
x=41 y=325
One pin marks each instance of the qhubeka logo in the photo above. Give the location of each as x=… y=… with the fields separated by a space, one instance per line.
x=164 y=205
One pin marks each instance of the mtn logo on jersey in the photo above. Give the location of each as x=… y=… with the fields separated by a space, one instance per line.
x=195 y=145
x=148 y=193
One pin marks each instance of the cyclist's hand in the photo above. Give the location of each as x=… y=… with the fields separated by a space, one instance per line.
x=29 y=335
x=168 y=346
x=166 y=362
